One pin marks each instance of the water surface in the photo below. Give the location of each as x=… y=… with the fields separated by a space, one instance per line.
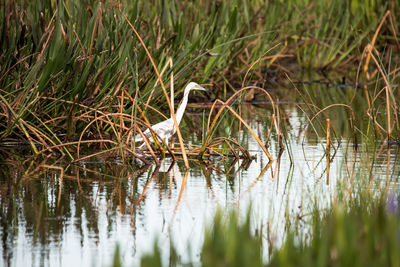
x=104 y=203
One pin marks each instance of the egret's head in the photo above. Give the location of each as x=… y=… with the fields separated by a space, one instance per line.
x=194 y=86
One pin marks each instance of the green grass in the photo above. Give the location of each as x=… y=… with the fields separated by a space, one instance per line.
x=227 y=242
x=360 y=233
x=65 y=63
x=364 y=231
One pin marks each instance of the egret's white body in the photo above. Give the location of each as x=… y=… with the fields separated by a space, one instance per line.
x=166 y=129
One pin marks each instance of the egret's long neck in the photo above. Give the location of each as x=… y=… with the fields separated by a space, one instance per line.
x=182 y=107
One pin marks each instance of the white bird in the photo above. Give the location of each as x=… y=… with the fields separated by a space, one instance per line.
x=166 y=129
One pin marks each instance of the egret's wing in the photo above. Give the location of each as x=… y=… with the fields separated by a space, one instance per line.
x=139 y=138
x=164 y=129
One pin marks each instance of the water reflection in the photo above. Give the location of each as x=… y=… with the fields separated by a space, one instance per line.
x=53 y=213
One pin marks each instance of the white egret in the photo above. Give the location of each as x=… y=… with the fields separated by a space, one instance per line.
x=166 y=129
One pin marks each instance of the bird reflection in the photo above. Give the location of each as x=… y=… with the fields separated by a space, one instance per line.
x=168 y=174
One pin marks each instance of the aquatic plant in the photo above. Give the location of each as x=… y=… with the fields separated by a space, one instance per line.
x=359 y=233
x=68 y=63
x=364 y=231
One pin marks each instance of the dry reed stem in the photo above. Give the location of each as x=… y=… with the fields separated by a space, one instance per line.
x=171 y=78
x=393 y=72
x=263 y=171
x=29 y=172
x=231 y=149
x=73 y=102
x=225 y=105
x=74 y=143
x=61 y=118
x=328 y=135
x=18 y=121
x=324 y=109
x=169 y=62
x=92 y=38
x=389 y=128
x=148 y=146
x=97 y=119
x=388 y=91
x=94 y=154
x=227 y=172
x=136 y=155
x=158 y=138
x=164 y=90
x=154 y=134
x=119 y=85
x=80 y=42
x=373 y=42
x=278 y=127
x=244 y=151
x=81 y=117
x=257 y=61
x=183 y=185
x=39 y=135
x=157 y=111
x=380 y=127
x=194 y=152
x=147 y=124
x=363 y=55
x=332 y=105
x=222 y=140
x=252 y=133
x=371 y=116
x=121 y=121
x=122 y=125
x=393 y=28
x=278 y=55
x=50 y=34
x=30 y=139
x=17 y=63
x=245 y=76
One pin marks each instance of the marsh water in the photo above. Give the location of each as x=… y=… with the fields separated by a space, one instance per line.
x=58 y=214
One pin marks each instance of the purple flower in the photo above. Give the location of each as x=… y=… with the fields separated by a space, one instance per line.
x=392 y=203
